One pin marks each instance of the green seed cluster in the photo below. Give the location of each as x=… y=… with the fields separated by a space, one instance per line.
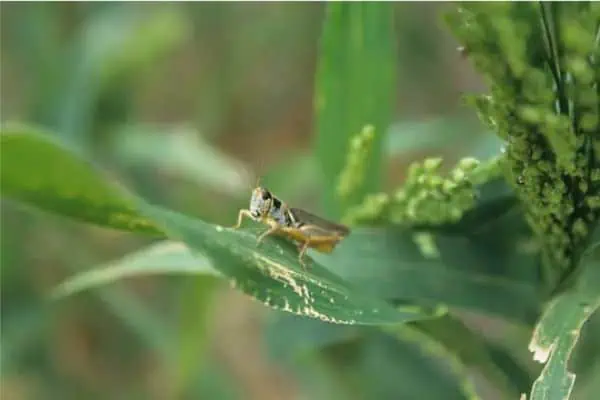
x=426 y=197
x=372 y=211
x=353 y=174
x=542 y=64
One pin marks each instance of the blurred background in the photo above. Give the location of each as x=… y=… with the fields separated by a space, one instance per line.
x=187 y=104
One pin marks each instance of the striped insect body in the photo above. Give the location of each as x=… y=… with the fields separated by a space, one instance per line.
x=306 y=229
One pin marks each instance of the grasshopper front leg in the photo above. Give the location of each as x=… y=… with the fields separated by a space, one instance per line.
x=274 y=227
x=241 y=215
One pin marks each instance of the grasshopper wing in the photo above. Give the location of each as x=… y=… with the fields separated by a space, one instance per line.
x=303 y=218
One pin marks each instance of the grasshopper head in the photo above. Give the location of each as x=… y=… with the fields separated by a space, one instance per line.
x=260 y=202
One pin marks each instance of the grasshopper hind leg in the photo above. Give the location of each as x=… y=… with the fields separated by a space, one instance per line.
x=303 y=247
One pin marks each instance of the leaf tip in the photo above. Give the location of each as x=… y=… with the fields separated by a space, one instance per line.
x=59 y=292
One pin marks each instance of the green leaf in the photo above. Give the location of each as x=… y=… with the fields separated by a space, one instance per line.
x=288 y=337
x=158 y=259
x=356 y=83
x=38 y=171
x=364 y=363
x=270 y=273
x=476 y=352
x=558 y=330
x=273 y=275
x=181 y=152
x=389 y=263
x=459 y=385
x=402 y=365
x=292 y=339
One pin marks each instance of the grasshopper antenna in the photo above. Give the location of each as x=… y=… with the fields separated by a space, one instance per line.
x=255 y=173
x=259 y=172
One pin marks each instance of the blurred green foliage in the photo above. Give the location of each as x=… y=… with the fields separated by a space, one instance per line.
x=116 y=114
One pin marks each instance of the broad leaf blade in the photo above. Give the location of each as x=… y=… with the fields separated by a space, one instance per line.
x=388 y=262
x=476 y=352
x=553 y=342
x=273 y=275
x=288 y=337
x=405 y=365
x=558 y=330
x=366 y=363
x=182 y=152
x=158 y=259
x=355 y=87
x=433 y=353
x=38 y=171
x=291 y=339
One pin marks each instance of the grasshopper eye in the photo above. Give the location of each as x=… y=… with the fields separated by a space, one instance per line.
x=266 y=195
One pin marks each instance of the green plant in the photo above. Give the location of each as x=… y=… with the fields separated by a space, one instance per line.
x=512 y=237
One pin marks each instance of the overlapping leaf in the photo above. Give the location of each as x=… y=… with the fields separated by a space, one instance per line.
x=355 y=87
x=558 y=330
x=389 y=262
x=39 y=171
x=160 y=258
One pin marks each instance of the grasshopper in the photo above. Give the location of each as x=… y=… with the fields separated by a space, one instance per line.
x=308 y=230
